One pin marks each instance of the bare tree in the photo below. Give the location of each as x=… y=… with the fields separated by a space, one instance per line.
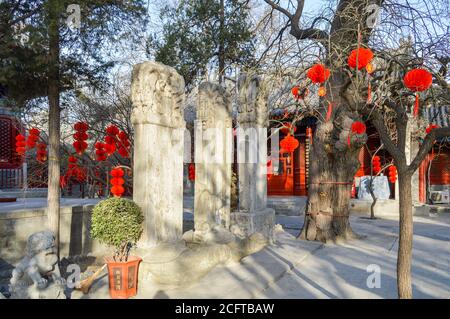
x=330 y=36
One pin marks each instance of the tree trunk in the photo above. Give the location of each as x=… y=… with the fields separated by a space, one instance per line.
x=53 y=196
x=405 y=237
x=221 y=55
x=331 y=179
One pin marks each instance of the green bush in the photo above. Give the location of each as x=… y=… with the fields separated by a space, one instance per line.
x=117 y=222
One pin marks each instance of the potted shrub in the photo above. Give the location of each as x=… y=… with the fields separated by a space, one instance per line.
x=117 y=222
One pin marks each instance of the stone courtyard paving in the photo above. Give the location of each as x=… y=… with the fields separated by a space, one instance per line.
x=298 y=269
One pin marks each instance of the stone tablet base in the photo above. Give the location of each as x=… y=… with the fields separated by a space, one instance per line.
x=244 y=224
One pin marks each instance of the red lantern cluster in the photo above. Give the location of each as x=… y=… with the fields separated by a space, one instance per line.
x=100 y=152
x=358 y=127
x=117 y=182
x=20 y=144
x=80 y=137
x=289 y=143
x=33 y=138
x=123 y=144
x=376 y=164
x=430 y=128
x=392 y=174
x=318 y=74
x=191 y=172
x=75 y=171
x=111 y=139
x=360 y=57
x=417 y=80
x=41 y=154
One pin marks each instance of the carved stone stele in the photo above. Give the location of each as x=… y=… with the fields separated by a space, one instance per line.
x=253 y=215
x=157 y=94
x=213 y=148
x=214 y=105
x=252 y=100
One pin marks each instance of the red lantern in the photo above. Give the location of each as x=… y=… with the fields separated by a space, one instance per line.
x=358 y=127
x=191 y=172
x=117 y=181
x=20 y=144
x=289 y=143
x=41 y=154
x=123 y=144
x=33 y=138
x=376 y=164
x=392 y=174
x=417 y=80
x=72 y=159
x=318 y=73
x=112 y=130
x=430 y=128
x=81 y=126
x=111 y=139
x=100 y=152
x=80 y=137
x=361 y=57
x=295 y=91
x=117 y=172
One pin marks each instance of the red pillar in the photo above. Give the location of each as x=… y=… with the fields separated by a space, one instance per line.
x=423 y=178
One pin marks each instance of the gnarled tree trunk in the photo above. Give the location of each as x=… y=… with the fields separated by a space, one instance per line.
x=331 y=178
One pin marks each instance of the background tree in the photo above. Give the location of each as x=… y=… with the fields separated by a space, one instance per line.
x=59 y=59
x=202 y=34
x=330 y=36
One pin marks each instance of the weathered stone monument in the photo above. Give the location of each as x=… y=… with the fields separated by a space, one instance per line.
x=253 y=215
x=37 y=276
x=380 y=186
x=213 y=149
x=157 y=93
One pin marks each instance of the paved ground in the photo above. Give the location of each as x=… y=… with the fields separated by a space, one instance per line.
x=340 y=271
x=297 y=269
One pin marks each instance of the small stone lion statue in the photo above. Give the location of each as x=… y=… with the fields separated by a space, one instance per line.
x=37 y=276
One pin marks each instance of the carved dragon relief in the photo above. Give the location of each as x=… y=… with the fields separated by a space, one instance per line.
x=252 y=100
x=214 y=106
x=157 y=93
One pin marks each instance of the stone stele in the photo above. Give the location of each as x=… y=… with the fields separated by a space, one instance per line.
x=213 y=149
x=157 y=94
x=253 y=215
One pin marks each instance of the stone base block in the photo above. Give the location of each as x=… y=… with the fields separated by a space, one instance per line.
x=244 y=224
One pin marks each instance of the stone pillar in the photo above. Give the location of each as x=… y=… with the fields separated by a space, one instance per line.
x=157 y=94
x=213 y=158
x=253 y=215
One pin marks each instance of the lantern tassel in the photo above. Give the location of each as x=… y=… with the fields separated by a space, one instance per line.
x=416 y=105
x=369 y=93
x=329 y=111
x=349 y=138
